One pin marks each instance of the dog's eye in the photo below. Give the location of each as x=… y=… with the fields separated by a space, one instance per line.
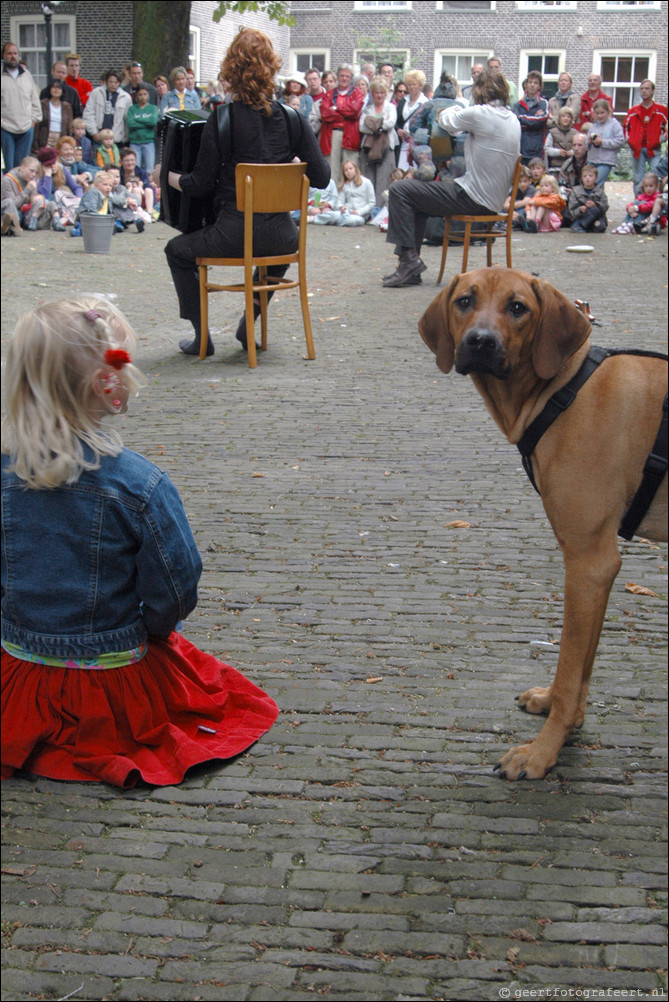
x=518 y=309
x=464 y=302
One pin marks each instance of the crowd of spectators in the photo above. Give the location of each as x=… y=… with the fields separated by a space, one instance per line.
x=370 y=121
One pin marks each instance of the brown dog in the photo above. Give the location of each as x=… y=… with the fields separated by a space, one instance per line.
x=521 y=340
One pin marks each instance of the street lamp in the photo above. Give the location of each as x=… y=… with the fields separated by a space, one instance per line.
x=47 y=10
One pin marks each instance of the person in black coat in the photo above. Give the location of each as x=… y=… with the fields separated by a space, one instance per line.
x=59 y=72
x=259 y=133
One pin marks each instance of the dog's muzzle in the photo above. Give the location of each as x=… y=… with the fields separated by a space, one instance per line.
x=481 y=350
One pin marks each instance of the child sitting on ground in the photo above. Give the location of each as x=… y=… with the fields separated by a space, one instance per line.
x=126 y=208
x=644 y=207
x=357 y=199
x=97 y=200
x=525 y=194
x=108 y=154
x=588 y=203
x=97 y=685
x=544 y=213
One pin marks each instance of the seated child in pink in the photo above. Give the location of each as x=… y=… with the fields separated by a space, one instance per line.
x=546 y=208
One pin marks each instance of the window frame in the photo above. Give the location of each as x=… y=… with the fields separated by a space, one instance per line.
x=599 y=54
x=17 y=20
x=308 y=50
x=461 y=9
x=632 y=5
x=523 y=69
x=382 y=7
x=545 y=8
x=362 y=55
x=473 y=55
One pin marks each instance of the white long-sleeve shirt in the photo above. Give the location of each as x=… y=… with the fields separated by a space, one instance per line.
x=492 y=147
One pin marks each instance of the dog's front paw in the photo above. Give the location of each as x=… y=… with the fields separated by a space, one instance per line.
x=525 y=762
x=536 y=700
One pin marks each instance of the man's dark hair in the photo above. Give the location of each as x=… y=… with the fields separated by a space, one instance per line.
x=490 y=86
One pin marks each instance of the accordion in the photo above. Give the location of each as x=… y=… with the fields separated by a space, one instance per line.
x=180 y=135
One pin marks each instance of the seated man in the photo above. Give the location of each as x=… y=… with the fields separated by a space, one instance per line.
x=19 y=188
x=492 y=147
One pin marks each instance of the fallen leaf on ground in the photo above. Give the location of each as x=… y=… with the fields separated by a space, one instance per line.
x=640 y=590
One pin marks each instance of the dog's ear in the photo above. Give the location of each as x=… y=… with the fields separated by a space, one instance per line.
x=561 y=330
x=434 y=329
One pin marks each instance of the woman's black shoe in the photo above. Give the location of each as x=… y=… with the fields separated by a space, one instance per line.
x=193 y=347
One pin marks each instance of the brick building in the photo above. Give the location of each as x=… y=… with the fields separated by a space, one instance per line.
x=102 y=33
x=624 y=41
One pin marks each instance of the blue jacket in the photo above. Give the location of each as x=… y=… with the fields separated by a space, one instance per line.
x=532 y=113
x=172 y=100
x=96 y=566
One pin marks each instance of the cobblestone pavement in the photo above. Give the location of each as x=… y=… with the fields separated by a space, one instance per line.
x=363 y=849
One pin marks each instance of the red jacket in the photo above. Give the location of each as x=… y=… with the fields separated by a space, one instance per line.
x=344 y=114
x=643 y=128
x=586 y=106
x=82 y=86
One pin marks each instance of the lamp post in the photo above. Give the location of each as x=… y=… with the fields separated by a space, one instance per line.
x=47 y=10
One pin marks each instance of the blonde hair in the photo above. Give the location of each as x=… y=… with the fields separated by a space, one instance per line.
x=552 y=183
x=55 y=351
x=106 y=134
x=357 y=179
x=415 y=76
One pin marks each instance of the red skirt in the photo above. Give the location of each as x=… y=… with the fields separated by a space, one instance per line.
x=120 y=725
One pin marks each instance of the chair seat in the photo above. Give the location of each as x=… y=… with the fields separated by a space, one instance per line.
x=489 y=235
x=262 y=188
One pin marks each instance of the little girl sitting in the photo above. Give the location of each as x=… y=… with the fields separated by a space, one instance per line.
x=357 y=199
x=647 y=208
x=544 y=213
x=99 y=566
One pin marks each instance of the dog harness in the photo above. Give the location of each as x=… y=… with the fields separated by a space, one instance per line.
x=656 y=464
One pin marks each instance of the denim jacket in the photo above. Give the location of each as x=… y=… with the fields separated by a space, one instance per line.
x=97 y=566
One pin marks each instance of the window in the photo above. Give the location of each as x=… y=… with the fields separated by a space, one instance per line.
x=194 y=51
x=466 y=7
x=626 y=4
x=549 y=64
x=398 y=57
x=30 y=35
x=371 y=5
x=546 y=4
x=302 y=60
x=458 y=63
x=621 y=74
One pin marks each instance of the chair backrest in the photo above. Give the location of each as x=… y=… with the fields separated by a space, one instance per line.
x=276 y=187
x=514 y=185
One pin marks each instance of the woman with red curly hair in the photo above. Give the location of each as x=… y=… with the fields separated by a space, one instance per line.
x=259 y=133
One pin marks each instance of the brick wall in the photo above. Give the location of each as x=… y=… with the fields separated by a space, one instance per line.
x=506 y=31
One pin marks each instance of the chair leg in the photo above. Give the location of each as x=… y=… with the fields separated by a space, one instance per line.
x=465 y=246
x=204 y=311
x=509 y=229
x=444 y=249
x=262 y=280
x=304 y=301
x=250 y=332
x=488 y=248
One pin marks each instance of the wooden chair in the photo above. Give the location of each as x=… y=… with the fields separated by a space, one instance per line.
x=488 y=234
x=262 y=188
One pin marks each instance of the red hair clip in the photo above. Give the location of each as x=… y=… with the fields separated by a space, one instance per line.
x=117 y=358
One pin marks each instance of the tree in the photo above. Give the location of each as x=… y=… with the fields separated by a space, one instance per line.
x=161 y=29
x=160 y=36
x=279 y=12
x=383 y=47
